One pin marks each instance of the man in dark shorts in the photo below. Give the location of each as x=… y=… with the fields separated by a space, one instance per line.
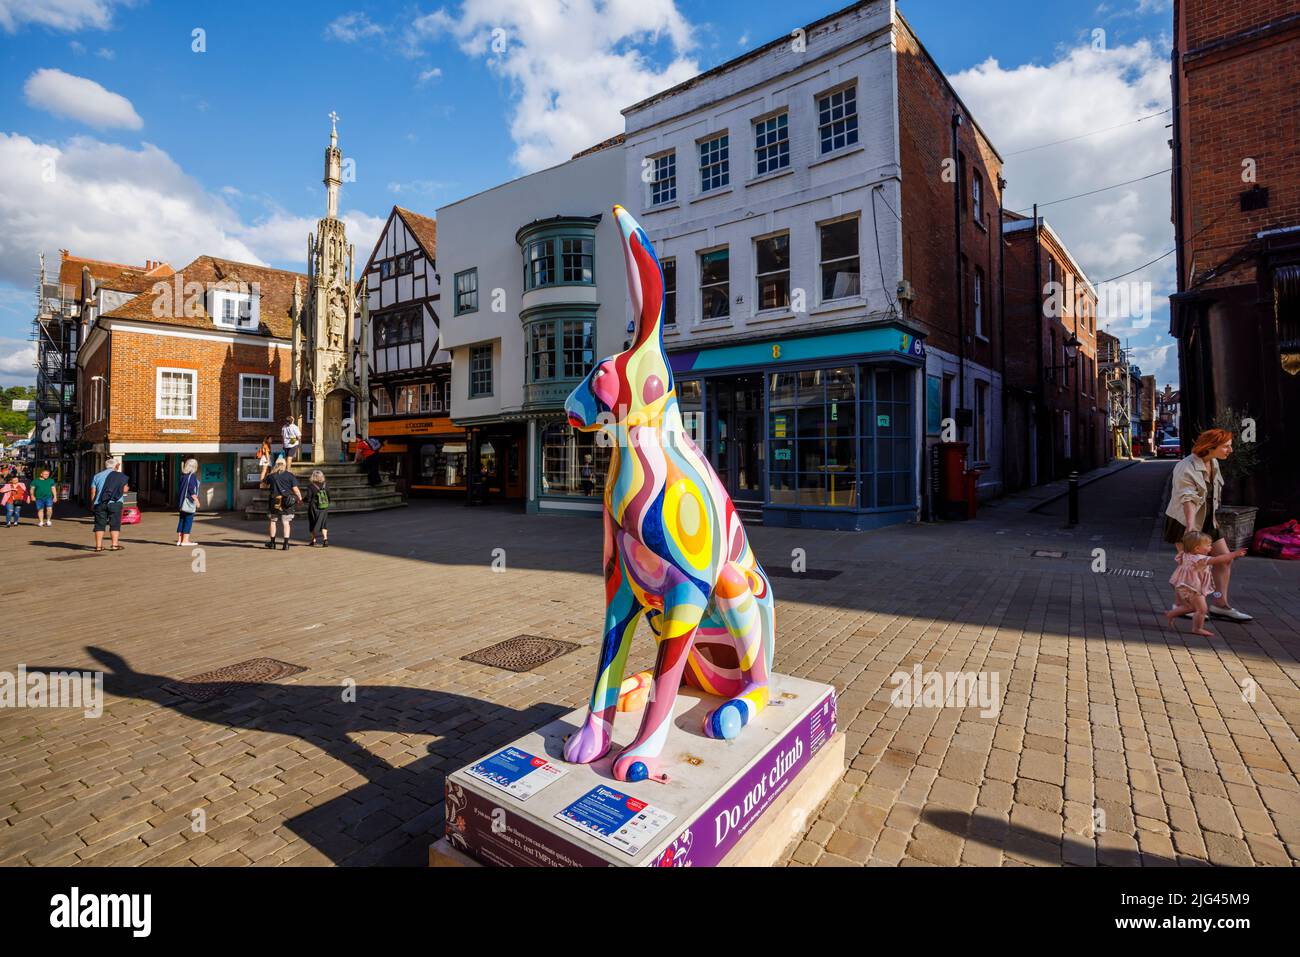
x=283 y=496
x=107 y=490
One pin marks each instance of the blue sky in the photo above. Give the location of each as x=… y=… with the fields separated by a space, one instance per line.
x=165 y=152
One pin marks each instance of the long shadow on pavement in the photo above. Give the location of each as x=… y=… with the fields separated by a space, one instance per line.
x=394 y=816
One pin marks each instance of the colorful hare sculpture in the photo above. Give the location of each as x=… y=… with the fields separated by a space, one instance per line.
x=675 y=550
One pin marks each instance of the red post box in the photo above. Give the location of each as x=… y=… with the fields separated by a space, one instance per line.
x=952 y=466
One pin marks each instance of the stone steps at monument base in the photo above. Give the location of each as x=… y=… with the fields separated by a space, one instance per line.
x=258 y=513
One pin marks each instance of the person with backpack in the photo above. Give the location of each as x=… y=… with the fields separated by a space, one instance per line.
x=318 y=504
x=107 y=491
x=368 y=454
x=291 y=439
x=188 y=503
x=12 y=494
x=283 y=496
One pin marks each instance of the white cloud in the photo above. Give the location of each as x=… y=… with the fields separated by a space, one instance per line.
x=431 y=74
x=104 y=53
x=18 y=358
x=58 y=14
x=106 y=202
x=282 y=237
x=352 y=27
x=1114 y=231
x=572 y=64
x=78 y=98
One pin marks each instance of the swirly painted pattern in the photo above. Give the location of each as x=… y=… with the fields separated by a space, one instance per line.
x=675 y=550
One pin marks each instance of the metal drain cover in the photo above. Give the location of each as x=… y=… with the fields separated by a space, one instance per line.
x=521 y=653
x=1130 y=572
x=815 y=574
x=222 y=681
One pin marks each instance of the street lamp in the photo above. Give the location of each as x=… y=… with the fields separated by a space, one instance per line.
x=1071 y=346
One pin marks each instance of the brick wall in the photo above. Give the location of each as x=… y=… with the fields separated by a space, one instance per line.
x=1237 y=103
x=136 y=359
x=96 y=365
x=1026 y=312
x=925 y=107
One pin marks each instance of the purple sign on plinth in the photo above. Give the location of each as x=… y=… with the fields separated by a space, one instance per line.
x=724 y=822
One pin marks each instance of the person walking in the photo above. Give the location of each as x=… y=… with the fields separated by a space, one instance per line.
x=283 y=498
x=107 y=490
x=264 y=459
x=188 y=502
x=318 y=504
x=12 y=494
x=291 y=439
x=43 y=495
x=1196 y=494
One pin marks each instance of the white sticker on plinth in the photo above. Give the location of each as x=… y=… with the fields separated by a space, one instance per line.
x=516 y=772
x=617 y=819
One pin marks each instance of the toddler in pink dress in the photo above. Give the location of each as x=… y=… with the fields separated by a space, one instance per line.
x=1192 y=580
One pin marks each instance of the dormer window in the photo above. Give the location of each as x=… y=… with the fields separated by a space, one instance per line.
x=234 y=310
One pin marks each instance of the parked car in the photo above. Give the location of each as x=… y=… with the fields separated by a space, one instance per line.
x=1169 y=447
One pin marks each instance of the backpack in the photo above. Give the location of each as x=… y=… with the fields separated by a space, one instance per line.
x=322 y=498
x=374 y=444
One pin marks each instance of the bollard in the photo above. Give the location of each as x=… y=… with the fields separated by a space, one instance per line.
x=1074 y=498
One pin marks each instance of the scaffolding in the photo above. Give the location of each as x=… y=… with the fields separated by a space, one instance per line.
x=55 y=331
x=1116 y=371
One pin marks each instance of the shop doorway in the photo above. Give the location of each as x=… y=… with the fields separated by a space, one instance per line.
x=737 y=439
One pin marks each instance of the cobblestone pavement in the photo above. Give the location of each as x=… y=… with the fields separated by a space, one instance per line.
x=1115 y=741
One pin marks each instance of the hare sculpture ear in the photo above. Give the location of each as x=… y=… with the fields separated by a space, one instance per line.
x=645 y=279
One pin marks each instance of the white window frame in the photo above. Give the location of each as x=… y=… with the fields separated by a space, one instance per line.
x=977 y=195
x=667 y=185
x=977 y=298
x=853 y=137
x=822 y=261
x=770 y=153
x=217 y=310
x=270 y=405
x=719 y=167
x=158 y=396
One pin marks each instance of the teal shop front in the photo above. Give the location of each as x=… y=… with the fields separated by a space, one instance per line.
x=816 y=431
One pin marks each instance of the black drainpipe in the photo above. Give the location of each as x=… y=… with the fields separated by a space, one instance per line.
x=1002 y=325
x=958 y=185
x=1037 y=312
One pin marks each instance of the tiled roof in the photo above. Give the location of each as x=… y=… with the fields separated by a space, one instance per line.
x=274 y=286
x=424 y=228
x=117 y=276
x=615 y=140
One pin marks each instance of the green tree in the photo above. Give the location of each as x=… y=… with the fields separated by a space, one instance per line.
x=11 y=421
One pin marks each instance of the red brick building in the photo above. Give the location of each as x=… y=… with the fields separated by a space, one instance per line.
x=198 y=365
x=1236 y=211
x=83 y=288
x=951 y=188
x=1056 y=411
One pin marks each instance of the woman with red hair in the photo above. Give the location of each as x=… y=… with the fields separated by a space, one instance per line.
x=1197 y=493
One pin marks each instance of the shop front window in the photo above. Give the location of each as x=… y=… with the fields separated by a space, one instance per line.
x=812 y=428
x=443 y=463
x=572 y=462
x=888 y=443
x=690 y=400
